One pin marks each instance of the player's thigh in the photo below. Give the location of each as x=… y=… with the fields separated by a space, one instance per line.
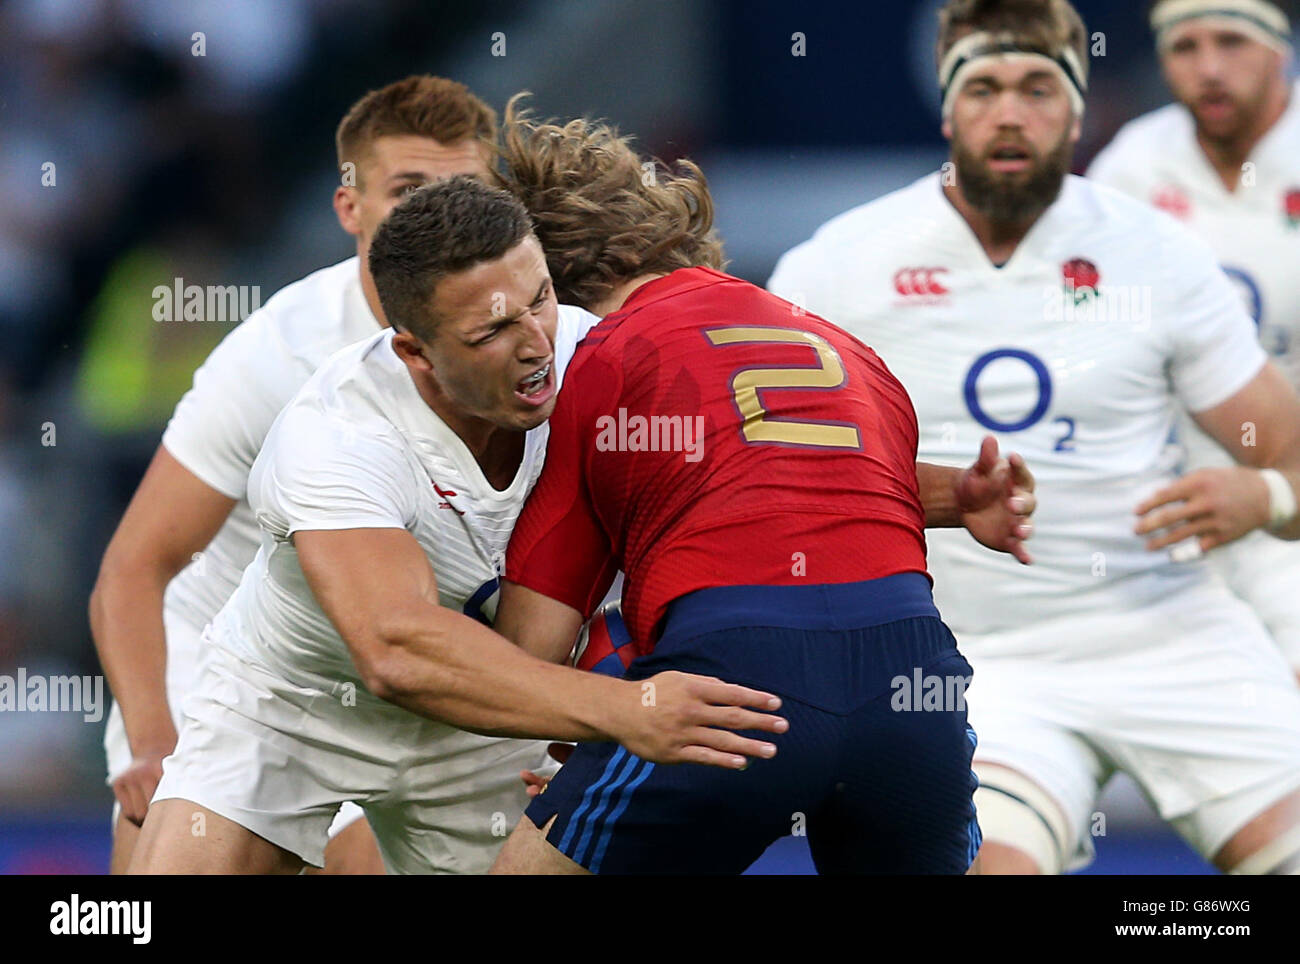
x=1265 y=573
x=1268 y=844
x=277 y=758
x=352 y=849
x=1039 y=776
x=615 y=813
x=526 y=851
x=457 y=807
x=1208 y=723
x=125 y=836
x=902 y=797
x=181 y=837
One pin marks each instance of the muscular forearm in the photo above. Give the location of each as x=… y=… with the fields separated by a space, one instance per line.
x=126 y=623
x=448 y=667
x=938 y=486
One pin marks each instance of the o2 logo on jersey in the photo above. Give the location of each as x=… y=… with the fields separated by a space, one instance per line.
x=482 y=603
x=1250 y=295
x=1274 y=339
x=1035 y=415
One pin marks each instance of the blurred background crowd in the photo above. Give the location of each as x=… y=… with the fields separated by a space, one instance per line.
x=147 y=140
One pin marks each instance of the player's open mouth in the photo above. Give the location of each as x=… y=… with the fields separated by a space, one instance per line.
x=538 y=387
x=1010 y=159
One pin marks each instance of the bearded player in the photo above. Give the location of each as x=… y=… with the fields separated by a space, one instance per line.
x=769 y=518
x=1225 y=160
x=1075 y=321
x=151 y=602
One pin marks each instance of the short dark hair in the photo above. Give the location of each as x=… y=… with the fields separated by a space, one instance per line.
x=440 y=229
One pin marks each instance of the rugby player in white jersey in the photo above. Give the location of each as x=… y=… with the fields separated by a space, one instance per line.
x=1074 y=321
x=151 y=601
x=1225 y=160
x=355 y=643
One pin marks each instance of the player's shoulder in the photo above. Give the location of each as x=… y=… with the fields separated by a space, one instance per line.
x=321 y=312
x=1152 y=130
x=916 y=200
x=1124 y=220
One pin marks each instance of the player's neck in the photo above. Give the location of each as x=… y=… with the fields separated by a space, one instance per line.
x=614 y=300
x=1228 y=156
x=371 y=292
x=999 y=239
x=498 y=451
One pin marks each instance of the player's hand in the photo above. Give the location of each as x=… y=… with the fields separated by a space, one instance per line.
x=681 y=718
x=996 y=498
x=134 y=788
x=1214 y=506
x=534 y=784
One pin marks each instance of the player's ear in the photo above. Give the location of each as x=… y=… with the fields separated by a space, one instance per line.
x=346 y=206
x=1076 y=129
x=946 y=128
x=411 y=351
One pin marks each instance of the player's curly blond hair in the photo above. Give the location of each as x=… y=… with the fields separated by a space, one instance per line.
x=602 y=214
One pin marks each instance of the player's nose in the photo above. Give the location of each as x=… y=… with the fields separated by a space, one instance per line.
x=537 y=338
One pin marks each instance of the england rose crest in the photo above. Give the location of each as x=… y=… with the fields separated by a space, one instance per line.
x=1292 y=206
x=1081 y=279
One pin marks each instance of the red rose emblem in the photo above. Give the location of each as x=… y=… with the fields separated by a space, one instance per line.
x=1172 y=201
x=1081 y=273
x=1292 y=203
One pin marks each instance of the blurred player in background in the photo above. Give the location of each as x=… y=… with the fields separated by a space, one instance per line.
x=1225 y=161
x=355 y=646
x=188 y=534
x=771 y=529
x=1013 y=298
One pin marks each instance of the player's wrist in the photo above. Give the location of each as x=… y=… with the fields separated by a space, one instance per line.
x=1283 y=506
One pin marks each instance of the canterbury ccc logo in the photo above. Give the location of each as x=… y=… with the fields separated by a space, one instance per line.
x=920 y=281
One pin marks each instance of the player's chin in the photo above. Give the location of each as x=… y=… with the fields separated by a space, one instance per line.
x=527 y=416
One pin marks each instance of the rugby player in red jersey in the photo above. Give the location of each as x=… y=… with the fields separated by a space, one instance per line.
x=752 y=469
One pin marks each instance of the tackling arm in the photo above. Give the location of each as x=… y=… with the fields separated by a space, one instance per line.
x=378 y=588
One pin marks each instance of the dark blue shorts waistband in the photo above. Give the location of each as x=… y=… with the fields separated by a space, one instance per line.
x=849 y=605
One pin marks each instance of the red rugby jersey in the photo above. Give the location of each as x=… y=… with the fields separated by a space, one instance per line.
x=711 y=434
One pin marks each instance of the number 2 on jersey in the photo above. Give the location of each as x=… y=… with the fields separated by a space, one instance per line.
x=757 y=427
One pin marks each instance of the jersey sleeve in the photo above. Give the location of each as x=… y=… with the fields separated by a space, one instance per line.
x=219 y=425
x=1216 y=347
x=317 y=471
x=559 y=547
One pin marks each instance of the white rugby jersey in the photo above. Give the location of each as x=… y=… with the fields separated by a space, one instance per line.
x=359 y=448
x=220 y=423
x=1254 y=231
x=1075 y=354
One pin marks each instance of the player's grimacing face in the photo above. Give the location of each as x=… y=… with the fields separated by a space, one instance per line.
x=398 y=164
x=493 y=356
x=1221 y=76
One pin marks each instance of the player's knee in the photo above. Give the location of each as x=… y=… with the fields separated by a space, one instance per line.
x=1024 y=829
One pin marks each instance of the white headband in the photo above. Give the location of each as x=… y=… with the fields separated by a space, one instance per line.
x=1260 y=21
x=971 y=51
